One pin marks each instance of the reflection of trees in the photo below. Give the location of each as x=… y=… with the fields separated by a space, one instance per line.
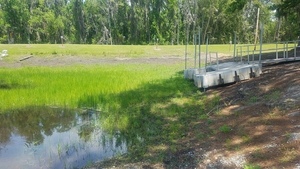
x=34 y=122
x=5 y=128
x=89 y=126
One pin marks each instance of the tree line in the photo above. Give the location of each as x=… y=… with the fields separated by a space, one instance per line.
x=146 y=21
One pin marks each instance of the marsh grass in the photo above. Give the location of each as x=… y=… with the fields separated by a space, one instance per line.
x=64 y=86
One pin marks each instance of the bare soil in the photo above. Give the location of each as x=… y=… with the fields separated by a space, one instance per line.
x=257 y=122
x=53 y=61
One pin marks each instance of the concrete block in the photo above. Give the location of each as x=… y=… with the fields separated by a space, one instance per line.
x=189 y=73
x=224 y=73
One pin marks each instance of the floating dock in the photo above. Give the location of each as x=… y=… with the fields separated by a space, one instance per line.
x=223 y=73
x=246 y=68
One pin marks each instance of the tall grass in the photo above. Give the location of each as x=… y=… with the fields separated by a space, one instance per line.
x=64 y=86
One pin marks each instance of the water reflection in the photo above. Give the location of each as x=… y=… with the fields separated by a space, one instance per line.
x=43 y=137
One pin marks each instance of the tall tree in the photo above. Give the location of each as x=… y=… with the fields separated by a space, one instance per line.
x=79 y=21
x=16 y=15
x=290 y=10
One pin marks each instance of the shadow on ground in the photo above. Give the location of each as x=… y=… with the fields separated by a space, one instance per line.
x=170 y=124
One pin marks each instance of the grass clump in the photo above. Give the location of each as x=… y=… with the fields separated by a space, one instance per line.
x=225 y=128
x=252 y=166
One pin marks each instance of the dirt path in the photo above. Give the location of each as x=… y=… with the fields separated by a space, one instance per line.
x=52 y=61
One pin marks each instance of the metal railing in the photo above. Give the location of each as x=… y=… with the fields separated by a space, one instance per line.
x=212 y=60
x=281 y=50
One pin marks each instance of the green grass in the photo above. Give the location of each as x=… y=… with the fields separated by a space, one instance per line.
x=252 y=166
x=18 y=50
x=42 y=50
x=64 y=86
x=225 y=128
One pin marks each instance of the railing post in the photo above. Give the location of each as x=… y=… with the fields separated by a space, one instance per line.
x=241 y=54
x=287 y=50
x=261 y=42
x=248 y=53
x=295 y=50
x=195 y=54
x=237 y=51
x=253 y=56
x=199 y=47
x=206 y=53
x=276 y=50
x=234 y=50
x=210 y=58
x=284 y=50
x=217 y=60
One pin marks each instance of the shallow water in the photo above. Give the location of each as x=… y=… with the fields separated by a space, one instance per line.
x=43 y=137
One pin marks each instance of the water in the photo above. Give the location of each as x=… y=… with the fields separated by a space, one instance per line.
x=43 y=137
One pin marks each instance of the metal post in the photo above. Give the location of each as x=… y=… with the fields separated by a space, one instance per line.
x=261 y=41
x=234 y=50
x=256 y=29
x=276 y=49
x=295 y=50
x=195 y=56
x=187 y=39
x=237 y=51
x=284 y=50
x=217 y=60
x=287 y=50
x=199 y=47
x=206 y=50
x=253 y=56
x=248 y=54
x=241 y=54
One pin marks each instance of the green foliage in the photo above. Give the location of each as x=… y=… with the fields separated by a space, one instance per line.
x=253 y=99
x=252 y=166
x=225 y=129
x=237 y=5
x=273 y=96
x=142 y=22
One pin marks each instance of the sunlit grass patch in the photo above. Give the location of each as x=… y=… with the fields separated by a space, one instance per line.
x=65 y=86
